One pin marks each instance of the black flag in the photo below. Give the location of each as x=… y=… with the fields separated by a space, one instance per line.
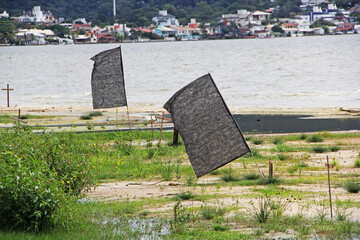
x=211 y=136
x=107 y=80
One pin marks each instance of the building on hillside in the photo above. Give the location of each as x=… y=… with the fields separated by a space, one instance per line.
x=241 y=18
x=290 y=29
x=164 y=19
x=4 y=14
x=33 y=36
x=105 y=38
x=164 y=32
x=85 y=27
x=193 y=23
x=37 y=16
x=187 y=33
x=258 y=17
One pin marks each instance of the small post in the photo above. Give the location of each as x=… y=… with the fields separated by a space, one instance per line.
x=161 y=125
x=8 y=89
x=328 y=168
x=271 y=169
x=19 y=117
x=176 y=137
x=152 y=128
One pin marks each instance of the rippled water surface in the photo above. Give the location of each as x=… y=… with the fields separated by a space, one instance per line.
x=270 y=73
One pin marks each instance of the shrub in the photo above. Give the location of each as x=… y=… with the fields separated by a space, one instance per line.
x=31 y=197
x=258 y=141
x=251 y=176
x=282 y=157
x=351 y=186
x=334 y=148
x=314 y=138
x=302 y=136
x=211 y=212
x=357 y=163
x=269 y=180
x=319 y=149
x=39 y=175
x=185 y=196
x=85 y=117
x=220 y=228
x=277 y=141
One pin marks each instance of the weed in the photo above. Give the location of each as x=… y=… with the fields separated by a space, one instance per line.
x=351 y=186
x=211 y=212
x=277 y=141
x=251 y=176
x=357 y=163
x=220 y=228
x=334 y=148
x=282 y=157
x=283 y=148
x=319 y=149
x=185 y=196
x=85 y=117
x=262 y=212
x=314 y=138
x=302 y=136
x=269 y=180
x=292 y=169
x=257 y=141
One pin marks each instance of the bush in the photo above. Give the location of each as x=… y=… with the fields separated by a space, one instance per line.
x=258 y=141
x=39 y=175
x=357 y=163
x=30 y=200
x=277 y=141
x=314 y=138
x=319 y=149
x=351 y=186
x=282 y=157
x=334 y=148
x=251 y=176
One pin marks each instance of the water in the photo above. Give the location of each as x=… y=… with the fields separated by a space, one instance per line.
x=256 y=73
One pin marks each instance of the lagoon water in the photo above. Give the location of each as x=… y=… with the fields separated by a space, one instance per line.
x=255 y=73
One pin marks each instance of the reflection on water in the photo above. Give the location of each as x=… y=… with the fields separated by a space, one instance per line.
x=270 y=73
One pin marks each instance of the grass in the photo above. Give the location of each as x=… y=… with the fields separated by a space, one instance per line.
x=352 y=186
x=133 y=156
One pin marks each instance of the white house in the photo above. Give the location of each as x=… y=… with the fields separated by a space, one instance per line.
x=33 y=36
x=165 y=19
x=4 y=14
x=259 y=16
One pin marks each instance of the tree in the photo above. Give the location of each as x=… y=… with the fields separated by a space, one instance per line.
x=205 y=11
x=277 y=28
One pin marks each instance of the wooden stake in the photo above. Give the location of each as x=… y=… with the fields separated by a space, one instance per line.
x=8 y=94
x=176 y=137
x=328 y=168
x=152 y=128
x=271 y=169
x=161 y=126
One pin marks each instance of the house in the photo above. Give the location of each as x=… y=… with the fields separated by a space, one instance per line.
x=164 y=19
x=87 y=38
x=37 y=16
x=105 y=38
x=290 y=29
x=262 y=33
x=186 y=33
x=241 y=18
x=33 y=36
x=4 y=14
x=258 y=17
x=164 y=32
x=86 y=27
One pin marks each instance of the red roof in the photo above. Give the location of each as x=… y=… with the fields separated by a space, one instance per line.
x=289 y=24
x=344 y=28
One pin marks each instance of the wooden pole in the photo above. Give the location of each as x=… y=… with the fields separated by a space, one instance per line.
x=176 y=137
x=161 y=126
x=8 y=89
x=328 y=169
x=271 y=169
x=152 y=128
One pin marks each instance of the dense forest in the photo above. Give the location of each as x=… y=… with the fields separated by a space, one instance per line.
x=140 y=12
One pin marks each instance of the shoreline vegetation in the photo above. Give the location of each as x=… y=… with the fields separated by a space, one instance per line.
x=132 y=185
